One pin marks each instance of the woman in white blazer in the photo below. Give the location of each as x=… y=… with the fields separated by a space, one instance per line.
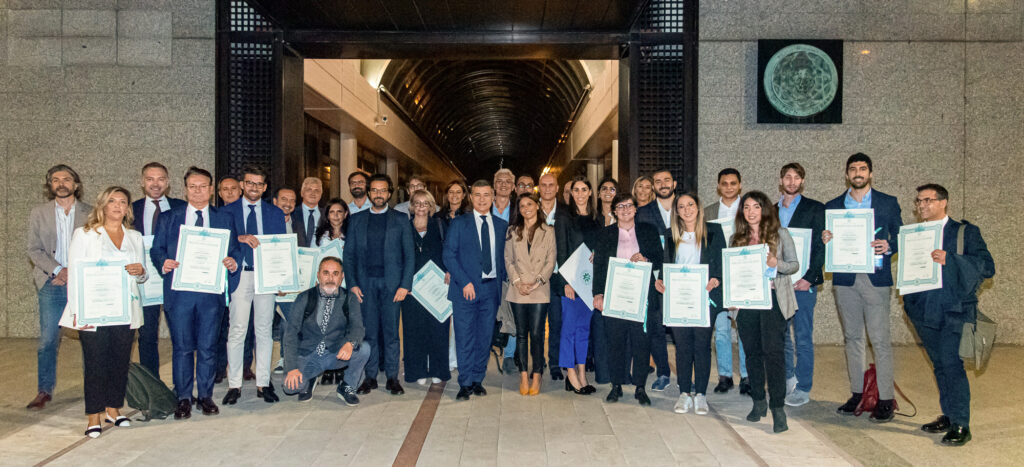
x=106 y=349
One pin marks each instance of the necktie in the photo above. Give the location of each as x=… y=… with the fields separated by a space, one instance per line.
x=199 y=218
x=250 y=221
x=310 y=229
x=156 y=214
x=485 y=246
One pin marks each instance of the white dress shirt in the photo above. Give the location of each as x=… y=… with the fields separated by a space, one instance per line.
x=479 y=218
x=665 y=213
x=728 y=211
x=65 y=227
x=147 y=214
x=190 y=215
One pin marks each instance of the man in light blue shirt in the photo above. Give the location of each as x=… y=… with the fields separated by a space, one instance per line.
x=357 y=188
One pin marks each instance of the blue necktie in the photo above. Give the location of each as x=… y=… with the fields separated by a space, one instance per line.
x=485 y=246
x=199 y=218
x=311 y=229
x=250 y=221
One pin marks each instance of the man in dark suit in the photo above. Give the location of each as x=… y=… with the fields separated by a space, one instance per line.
x=556 y=215
x=379 y=261
x=307 y=218
x=658 y=214
x=193 y=318
x=939 y=315
x=799 y=211
x=146 y=210
x=474 y=252
x=863 y=299
x=252 y=216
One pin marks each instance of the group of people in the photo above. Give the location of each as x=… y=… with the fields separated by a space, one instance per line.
x=499 y=243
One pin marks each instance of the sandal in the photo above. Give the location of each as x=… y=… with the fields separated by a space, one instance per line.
x=121 y=421
x=93 y=431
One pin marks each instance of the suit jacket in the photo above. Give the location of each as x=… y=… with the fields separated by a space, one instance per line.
x=42 y=238
x=399 y=254
x=462 y=253
x=710 y=254
x=273 y=223
x=650 y=213
x=788 y=264
x=957 y=299
x=303 y=334
x=165 y=246
x=810 y=214
x=139 y=212
x=299 y=225
x=92 y=246
x=563 y=242
x=649 y=239
x=526 y=265
x=889 y=220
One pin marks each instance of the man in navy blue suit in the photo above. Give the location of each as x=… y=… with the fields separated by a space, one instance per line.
x=658 y=214
x=474 y=252
x=251 y=216
x=379 y=261
x=192 y=317
x=156 y=184
x=939 y=315
x=863 y=299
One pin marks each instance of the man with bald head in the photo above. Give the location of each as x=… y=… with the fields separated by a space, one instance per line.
x=556 y=215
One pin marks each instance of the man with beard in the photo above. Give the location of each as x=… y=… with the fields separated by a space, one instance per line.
x=229 y=190
x=799 y=211
x=156 y=184
x=658 y=214
x=49 y=237
x=285 y=200
x=357 y=188
x=524 y=185
x=416 y=183
x=863 y=299
x=379 y=259
x=325 y=333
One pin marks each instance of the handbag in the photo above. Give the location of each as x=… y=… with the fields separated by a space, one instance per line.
x=978 y=337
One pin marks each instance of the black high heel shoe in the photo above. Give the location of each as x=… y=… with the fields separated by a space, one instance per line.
x=569 y=387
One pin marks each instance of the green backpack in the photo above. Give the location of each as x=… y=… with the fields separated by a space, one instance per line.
x=148 y=394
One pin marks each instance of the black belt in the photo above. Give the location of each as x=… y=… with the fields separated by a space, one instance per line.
x=247 y=268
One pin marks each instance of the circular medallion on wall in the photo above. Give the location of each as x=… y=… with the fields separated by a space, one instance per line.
x=800 y=80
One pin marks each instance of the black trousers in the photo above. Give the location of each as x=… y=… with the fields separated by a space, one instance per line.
x=554 y=307
x=530 y=328
x=656 y=333
x=105 y=355
x=617 y=331
x=426 y=343
x=762 y=334
x=149 y=339
x=943 y=347
x=693 y=358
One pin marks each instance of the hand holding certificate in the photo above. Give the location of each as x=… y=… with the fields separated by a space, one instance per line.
x=686 y=295
x=578 y=272
x=153 y=289
x=307 y=273
x=276 y=264
x=746 y=284
x=429 y=289
x=849 y=249
x=802 y=241
x=917 y=271
x=201 y=253
x=626 y=289
x=102 y=293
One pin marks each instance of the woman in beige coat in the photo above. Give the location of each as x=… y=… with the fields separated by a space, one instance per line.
x=529 y=261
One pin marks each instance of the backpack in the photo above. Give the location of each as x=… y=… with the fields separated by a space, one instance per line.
x=149 y=394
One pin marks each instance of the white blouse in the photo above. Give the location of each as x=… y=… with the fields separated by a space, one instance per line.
x=687 y=251
x=96 y=245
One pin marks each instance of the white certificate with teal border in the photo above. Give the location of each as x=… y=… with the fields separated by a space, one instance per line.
x=745 y=284
x=802 y=240
x=850 y=250
x=201 y=253
x=727 y=227
x=429 y=289
x=578 y=272
x=307 y=273
x=626 y=288
x=276 y=264
x=686 y=302
x=153 y=289
x=103 y=294
x=916 y=270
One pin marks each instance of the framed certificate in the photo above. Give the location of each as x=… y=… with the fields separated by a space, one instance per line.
x=275 y=264
x=153 y=289
x=307 y=268
x=727 y=227
x=745 y=284
x=802 y=240
x=685 y=300
x=429 y=289
x=578 y=271
x=102 y=293
x=852 y=232
x=201 y=253
x=916 y=271
x=626 y=289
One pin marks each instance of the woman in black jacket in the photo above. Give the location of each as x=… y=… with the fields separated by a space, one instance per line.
x=425 y=338
x=577 y=317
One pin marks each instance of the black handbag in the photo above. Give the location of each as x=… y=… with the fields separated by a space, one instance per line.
x=978 y=337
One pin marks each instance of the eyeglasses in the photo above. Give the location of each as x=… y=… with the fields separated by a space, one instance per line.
x=252 y=184
x=197 y=187
x=624 y=206
x=920 y=202
x=524 y=186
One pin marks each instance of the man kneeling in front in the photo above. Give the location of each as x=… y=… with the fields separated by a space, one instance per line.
x=325 y=331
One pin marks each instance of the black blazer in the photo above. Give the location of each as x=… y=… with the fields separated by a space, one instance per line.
x=710 y=254
x=888 y=220
x=299 y=225
x=650 y=213
x=399 y=256
x=139 y=210
x=563 y=241
x=607 y=242
x=303 y=334
x=430 y=247
x=810 y=214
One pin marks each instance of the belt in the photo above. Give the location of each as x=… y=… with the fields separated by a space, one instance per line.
x=247 y=268
x=487 y=280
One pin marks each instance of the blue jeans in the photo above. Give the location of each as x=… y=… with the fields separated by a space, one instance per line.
x=52 y=300
x=312 y=366
x=803 y=329
x=723 y=347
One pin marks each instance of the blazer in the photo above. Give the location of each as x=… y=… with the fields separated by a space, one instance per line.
x=302 y=334
x=273 y=223
x=563 y=242
x=42 y=238
x=650 y=213
x=607 y=243
x=139 y=212
x=527 y=265
x=788 y=264
x=961 y=275
x=462 y=254
x=165 y=246
x=89 y=246
x=299 y=225
x=399 y=255
x=429 y=247
x=888 y=219
x=710 y=254
x=810 y=214
x=711 y=212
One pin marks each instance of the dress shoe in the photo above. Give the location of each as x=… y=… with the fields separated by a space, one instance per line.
x=556 y=374
x=478 y=389
x=850 y=407
x=209 y=408
x=614 y=394
x=184 y=409
x=348 y=394
x=367 y=386
x=779 y=420
x=588 y=389
x=940 y=425
x=232 y=396
x=744 y=386
x=464 y=393
x=760 y=409
x=39 y=402
x=641 y=396
x=724 y=384
x=660 y=383
x=248 y=375
x=569 y=387
x=394 y=387
x=268 y=394
x=958 y=435
x=884 y=411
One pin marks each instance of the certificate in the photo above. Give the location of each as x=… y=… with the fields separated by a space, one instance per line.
x=727 y=228
x=745 y=284
x=802 y=240
x=916 y=271
x=153 y=289
x=335 y=248
x=685 y=300
x=102 y=293
x=275 y=264
x=578 y=272
x=626 y=289
x=307 y=273
x=429 y=289
x=201 y=253
x=852 y=232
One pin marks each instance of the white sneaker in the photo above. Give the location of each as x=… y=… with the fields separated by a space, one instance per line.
x=435 y=380
x=798 y=398
x=790 y=385
x=422 y=381
x=700 y=405
x=683 y=404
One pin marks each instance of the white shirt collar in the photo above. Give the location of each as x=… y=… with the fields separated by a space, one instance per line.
x=382 y=211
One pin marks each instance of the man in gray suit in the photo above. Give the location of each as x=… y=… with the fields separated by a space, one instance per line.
x=51 y=225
